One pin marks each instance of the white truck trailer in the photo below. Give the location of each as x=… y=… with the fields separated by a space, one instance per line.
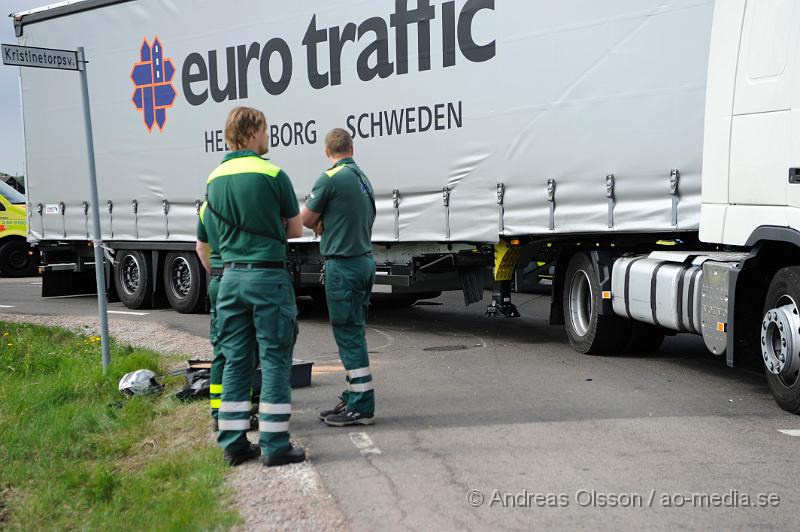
x=646 y=151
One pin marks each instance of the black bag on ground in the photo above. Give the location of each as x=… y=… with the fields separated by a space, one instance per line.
x=198 y=385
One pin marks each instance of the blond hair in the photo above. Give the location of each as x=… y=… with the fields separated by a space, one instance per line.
x=242 y=124
x=339 y=142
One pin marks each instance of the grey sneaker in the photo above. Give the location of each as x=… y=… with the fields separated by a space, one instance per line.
x=340 y=408
x=349 y=419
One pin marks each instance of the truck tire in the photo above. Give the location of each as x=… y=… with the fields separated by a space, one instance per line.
x=780 y=338
x=15 y=260
x=185 y=282
x=588 y=331
x=644 y=339
x=133 y=279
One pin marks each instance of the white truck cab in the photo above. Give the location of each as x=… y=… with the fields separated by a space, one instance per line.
x=751 y=159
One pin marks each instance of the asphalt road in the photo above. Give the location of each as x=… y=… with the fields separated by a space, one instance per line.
x=498 y=424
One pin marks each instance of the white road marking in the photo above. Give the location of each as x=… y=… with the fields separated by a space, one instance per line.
x=389 y=339
x=364 y=443
x=794 y=432
x=36 y=284
x=6 y=306
x=128 y=313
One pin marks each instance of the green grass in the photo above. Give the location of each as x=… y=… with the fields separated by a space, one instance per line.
x=74 y=454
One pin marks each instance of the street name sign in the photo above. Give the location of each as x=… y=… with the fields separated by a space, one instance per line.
x=28 y=56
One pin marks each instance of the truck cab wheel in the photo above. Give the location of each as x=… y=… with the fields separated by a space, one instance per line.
x=17 y=260
x=185 y=282
x=780 y=338
x=588 y=331
x=133 y=278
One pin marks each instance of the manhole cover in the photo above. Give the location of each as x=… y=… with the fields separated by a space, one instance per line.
x=446 y=348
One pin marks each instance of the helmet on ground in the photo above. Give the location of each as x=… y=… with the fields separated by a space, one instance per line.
x=140 y=382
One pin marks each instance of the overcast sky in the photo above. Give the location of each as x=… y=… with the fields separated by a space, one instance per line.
x=11 y=149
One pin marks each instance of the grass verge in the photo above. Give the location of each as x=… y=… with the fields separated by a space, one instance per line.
x=75 y=454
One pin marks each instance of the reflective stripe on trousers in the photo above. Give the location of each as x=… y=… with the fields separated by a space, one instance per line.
x=267 y=408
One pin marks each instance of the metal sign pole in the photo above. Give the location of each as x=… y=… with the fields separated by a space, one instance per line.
x=97 y=237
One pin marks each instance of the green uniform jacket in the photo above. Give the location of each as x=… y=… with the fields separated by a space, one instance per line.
x=343 y=196
x=249 y=197
x=207 y=232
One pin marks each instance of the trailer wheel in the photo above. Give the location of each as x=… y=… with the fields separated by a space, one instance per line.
x=15 y=260
x=644 y=339
x=185 y=282
x=780 y=338
x=133 y=278
x=588 y=331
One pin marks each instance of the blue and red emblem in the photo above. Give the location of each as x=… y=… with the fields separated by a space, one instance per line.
x=154 y=92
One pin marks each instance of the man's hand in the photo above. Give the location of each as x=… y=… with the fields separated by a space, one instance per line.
x=319 y=228
x=312 y=220
x=204 y=253
x=294 y=227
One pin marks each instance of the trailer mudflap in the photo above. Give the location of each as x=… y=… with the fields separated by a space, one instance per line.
x=603 y=262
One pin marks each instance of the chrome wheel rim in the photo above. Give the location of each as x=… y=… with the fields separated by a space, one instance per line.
x=131 y=274
x=580 y=303
x=780 y=341
x=180 y=275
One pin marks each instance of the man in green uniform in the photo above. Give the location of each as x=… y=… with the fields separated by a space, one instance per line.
x=342 y=209
x=254 y=210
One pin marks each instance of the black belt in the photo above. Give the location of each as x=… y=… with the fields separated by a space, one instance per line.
x=340 y=257
x=216 y=272
x=256 y=265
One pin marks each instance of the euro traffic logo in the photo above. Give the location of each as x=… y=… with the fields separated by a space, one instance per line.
x=152 y=76
x=380 y=49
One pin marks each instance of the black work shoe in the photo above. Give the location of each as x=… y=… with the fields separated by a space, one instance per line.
x=250 y=452
x=340 y=408
x=295 y=455
x=348 y=419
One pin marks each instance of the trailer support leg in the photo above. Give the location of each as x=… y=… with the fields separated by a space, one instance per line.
x=501 y=301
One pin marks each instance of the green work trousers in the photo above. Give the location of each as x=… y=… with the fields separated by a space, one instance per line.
x=348 y=284
x=218 y=362
x=256 y=305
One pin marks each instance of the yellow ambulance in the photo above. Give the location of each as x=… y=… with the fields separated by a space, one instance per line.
x=17 y=259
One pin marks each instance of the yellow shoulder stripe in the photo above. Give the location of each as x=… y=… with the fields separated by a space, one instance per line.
x=245 y=165
x=333 y=171
x=203 y=211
